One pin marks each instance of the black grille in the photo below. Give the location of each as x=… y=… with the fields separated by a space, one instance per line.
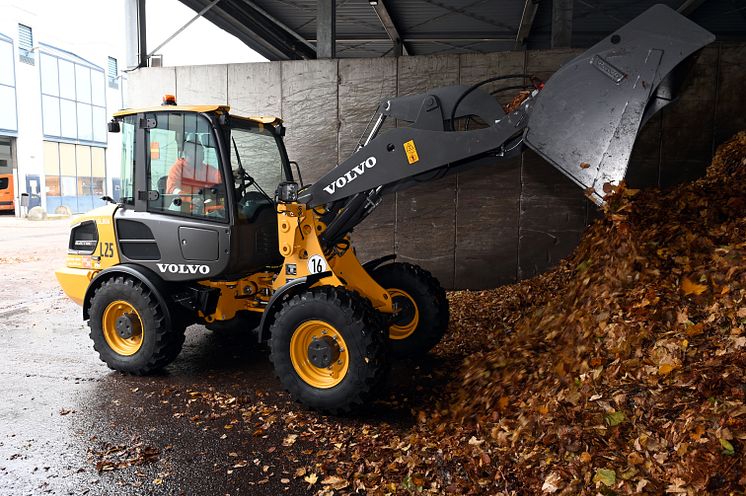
x=136 y=241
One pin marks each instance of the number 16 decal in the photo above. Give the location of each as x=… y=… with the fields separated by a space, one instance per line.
x=316 y=264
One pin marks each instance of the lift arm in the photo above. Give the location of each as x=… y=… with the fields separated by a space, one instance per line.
x=584 y=120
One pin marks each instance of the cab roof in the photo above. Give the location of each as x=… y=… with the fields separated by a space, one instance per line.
x=260 y=119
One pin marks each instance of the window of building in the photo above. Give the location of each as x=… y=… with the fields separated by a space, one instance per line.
x=113 y=73
x=8 y=119
x=75 y=175
x=25 y=44
x=73 y=97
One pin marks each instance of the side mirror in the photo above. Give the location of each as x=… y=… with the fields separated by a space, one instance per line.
x=113 y=126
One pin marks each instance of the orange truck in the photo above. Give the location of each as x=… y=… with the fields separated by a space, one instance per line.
x=7 y=202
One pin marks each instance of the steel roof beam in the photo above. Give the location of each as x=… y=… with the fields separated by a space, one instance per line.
x=561 y=23
x=280 y=24
x=326 y=29
x=255 y=29
x=400 y=48
x=182 y=28
x=527 y=21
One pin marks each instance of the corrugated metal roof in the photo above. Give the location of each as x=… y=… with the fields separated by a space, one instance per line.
x=286 y=29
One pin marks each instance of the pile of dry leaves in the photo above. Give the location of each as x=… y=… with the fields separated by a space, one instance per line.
x=622 y=371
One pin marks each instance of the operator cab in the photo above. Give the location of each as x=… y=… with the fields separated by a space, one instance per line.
x=197 y=186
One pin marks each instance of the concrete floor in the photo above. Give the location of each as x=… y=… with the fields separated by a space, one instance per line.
x=60 y=407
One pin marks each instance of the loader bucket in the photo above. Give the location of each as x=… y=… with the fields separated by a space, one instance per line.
x=587 y=117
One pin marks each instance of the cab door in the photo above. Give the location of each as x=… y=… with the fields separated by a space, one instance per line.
x=176 y=217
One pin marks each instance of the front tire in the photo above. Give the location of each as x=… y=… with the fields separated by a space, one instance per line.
x=328 y=349
x=423 y=314
x=128 y=328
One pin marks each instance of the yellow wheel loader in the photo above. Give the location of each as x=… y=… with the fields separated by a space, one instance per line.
x=213 y=227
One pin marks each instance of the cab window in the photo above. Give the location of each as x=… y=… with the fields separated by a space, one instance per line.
x=257 y=166
x=128 y=160
x=184 y=173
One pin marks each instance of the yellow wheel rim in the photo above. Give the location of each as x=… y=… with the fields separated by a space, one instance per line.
x=306 y=335
x=123 y=329
x=402 y=330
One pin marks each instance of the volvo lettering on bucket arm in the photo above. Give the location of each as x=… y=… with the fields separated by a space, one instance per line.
x=212 y=226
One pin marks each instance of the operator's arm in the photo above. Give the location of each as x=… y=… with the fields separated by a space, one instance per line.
x=173 y=183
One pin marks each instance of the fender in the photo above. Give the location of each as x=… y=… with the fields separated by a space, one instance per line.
x=142 y=274
x=372 y=265
x=278 y=297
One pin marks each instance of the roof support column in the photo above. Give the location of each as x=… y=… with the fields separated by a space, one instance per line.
x=142 y=43
x=326 y=29
x=561 y=23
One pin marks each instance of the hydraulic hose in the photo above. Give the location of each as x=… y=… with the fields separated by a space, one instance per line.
x=482 y=83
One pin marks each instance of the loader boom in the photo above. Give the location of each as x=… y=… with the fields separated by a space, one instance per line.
x=584 y=121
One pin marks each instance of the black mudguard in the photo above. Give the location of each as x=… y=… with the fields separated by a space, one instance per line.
x=279 y=296
x=142 y=274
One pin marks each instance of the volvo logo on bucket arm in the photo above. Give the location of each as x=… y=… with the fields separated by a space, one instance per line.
x=350 y=175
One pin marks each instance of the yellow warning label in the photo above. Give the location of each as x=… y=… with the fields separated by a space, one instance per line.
x=411 y=152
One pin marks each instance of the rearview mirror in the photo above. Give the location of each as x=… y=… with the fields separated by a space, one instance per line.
x=113 y=126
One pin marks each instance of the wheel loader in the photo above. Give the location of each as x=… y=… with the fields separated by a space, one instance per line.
x=214 y=226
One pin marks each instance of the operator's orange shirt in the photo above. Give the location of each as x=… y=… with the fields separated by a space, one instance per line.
x=188 y=180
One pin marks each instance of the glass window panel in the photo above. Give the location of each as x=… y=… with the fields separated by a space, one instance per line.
x=68 y=119
x=6 y=152
x=6 y=63
x=98 y=161
x=97 y=186
x=68 y=186
x=51 y=158
x=25 y=37
x=83 y=158
x=67 y=159
x=49 y=82
x=83 y=83
x=98 y=89
x=53 y=185
x=85 y=122
x=260 y=157
x=99 y=125
x=128 y=159
x=67 y=79
x=8 y=108
x=84 y=186
x=50 y=108
x=190 y=182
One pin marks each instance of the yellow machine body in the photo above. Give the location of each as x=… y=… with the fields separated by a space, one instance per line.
x=298 y=242
x=81 y=268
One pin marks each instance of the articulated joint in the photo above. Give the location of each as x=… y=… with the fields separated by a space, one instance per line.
x=299 y=229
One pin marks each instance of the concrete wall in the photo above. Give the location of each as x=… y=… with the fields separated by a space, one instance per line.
x=485 y=226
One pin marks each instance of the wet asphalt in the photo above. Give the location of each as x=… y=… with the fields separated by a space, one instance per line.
x=62 y=410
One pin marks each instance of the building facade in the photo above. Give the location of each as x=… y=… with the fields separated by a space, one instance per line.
x=58 y=88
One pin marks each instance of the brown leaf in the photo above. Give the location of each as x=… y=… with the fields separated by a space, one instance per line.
x=689 y=287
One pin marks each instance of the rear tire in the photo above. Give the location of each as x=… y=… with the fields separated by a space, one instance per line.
x=350 y=363
x=424 y=315
x=128 y=328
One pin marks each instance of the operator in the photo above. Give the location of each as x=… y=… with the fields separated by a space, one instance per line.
x=190 y=175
